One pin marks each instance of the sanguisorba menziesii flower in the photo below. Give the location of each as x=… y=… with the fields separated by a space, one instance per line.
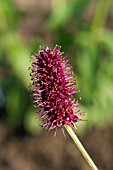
x=53 y=86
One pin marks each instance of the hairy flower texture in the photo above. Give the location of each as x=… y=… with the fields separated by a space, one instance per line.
x=53 y=87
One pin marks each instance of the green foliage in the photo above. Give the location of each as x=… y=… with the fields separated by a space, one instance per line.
x=64 y=11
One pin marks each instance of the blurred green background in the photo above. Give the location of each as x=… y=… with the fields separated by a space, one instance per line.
x=84 y=29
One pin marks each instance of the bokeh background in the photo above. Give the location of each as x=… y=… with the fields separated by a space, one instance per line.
x=84 y=29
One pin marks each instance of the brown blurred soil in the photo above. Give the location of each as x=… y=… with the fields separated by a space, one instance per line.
x=44 y=152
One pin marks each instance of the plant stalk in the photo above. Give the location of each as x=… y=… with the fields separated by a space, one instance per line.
x=81 y=148
x=101 y=14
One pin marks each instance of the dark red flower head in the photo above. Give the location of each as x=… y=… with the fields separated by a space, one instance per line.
x=52 y=89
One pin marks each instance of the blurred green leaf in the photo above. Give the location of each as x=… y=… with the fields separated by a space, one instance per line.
x=63 y=11
x=18 y=55
x=31 y=124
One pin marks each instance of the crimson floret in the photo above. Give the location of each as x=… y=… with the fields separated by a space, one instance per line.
x=53 y=87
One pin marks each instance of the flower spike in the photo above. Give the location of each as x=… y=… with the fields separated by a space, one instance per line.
x=53 y=86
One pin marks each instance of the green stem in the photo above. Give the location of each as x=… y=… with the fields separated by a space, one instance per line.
x=101 y=14
x=81 y=148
